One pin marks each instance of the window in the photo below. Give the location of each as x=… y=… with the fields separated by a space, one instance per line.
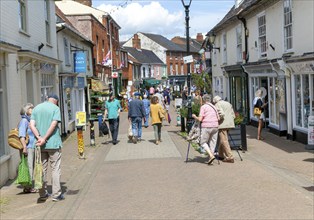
x=224 y=48
x=177 y=69
x=287 y=24
x=66 y=52
x=47 y=80
x=22 y=15
x=261 y=21
x=47 y=20
x=302 y=100
x=182 y=72
x=239 y=43
x=171 y=69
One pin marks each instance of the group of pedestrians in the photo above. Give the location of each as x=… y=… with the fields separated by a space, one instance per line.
x=139 y=112
x=216 y=118
x=41 y=125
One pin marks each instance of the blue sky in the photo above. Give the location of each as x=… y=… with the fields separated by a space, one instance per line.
x=163 y=17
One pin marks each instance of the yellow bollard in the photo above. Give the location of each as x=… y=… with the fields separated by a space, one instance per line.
x=80 y=142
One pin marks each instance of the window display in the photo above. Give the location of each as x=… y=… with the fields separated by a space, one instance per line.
x=302 y=100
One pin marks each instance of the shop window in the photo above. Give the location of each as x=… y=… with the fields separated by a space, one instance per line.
x=273 y=101
x=238 y=96
x=302 y=100
x=224 y=48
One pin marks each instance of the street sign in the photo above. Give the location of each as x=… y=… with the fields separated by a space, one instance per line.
x=188 y=59
x=80 y=118
x=114 y=74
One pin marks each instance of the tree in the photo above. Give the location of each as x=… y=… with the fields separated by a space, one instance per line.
x=202 y=81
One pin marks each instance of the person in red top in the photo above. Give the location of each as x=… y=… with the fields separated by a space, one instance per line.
x=209 y=128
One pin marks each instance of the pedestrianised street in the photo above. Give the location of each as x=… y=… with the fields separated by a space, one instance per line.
x=148 y=181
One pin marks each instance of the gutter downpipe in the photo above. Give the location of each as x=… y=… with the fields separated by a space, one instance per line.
x=243 y=20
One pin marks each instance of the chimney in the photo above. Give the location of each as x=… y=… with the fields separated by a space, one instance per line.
x=136 y=42
x=85 y=2
x=199 y=37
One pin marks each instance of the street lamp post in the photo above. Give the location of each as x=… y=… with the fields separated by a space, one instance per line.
x=186 y=4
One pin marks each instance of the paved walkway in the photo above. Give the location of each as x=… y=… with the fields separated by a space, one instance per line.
x=146 y=181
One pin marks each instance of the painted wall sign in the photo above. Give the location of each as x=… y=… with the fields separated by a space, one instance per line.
x=79 y=62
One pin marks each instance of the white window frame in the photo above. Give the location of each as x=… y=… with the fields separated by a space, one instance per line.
x=262 y=41
x=224 y=48
x=46 y=85
x=47 y=21
x=177 y=69
x=239 y=43
x=287 y=26
x=22 y=15
x=171 y=69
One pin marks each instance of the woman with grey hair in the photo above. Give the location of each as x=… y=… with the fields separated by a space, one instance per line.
x=209 y=118
x=28 y=148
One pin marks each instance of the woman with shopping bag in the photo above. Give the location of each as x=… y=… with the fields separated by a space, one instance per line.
x=157 y=114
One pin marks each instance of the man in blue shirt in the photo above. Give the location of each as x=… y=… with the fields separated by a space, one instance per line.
x=113 y=107
x=135 y=115
x=146 y=104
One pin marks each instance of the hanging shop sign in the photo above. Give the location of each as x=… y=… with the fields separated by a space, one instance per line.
x=79 y=62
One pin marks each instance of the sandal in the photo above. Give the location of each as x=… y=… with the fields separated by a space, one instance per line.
x=33 y=190
x=260 y=138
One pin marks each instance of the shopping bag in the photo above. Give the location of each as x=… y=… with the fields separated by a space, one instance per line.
x=104 y=128
x=38 y=169
x=23 y=177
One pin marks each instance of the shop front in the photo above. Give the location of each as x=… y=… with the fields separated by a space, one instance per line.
x=302 y=86
x=268 y=78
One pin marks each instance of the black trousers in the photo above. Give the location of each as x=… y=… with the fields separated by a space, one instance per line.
x=114 y=128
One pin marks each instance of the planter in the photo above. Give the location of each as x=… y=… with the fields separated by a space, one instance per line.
x=237 y=137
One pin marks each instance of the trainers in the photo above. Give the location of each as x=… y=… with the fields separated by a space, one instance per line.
x=210 y=161
x=43 y=199
x=59 y=198
x=134 y=140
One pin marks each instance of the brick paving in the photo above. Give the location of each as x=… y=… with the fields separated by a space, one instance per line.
x=146 y=181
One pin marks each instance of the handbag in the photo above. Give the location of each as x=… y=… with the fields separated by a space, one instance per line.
x=38 y=169
x=161 y=113
x=257 y=111
x=23 y=177
x=104 y=128
x=14 y=138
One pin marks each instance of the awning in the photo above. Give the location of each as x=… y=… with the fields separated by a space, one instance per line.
x=98 y=85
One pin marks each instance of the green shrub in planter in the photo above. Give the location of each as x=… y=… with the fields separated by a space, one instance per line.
x=195 y=110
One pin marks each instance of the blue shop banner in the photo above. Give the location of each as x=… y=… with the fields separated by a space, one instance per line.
x=79 y=62
x=80 y=82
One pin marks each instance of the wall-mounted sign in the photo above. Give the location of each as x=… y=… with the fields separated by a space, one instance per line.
x=114 y=74
x=79 y=62
x=310 y=138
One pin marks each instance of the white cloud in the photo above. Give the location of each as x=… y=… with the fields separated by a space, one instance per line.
x=149 y=18
x=152 y=17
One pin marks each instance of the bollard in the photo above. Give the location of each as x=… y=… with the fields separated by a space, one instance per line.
x=99 y=116
x=92 y=133
x=80 y=141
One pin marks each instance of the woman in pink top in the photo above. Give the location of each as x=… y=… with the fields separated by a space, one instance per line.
x=209 y=118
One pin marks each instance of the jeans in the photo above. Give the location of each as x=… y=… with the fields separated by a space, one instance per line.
x=137 y=126
x=157 y=131
x=146 y=122
x=114 y=128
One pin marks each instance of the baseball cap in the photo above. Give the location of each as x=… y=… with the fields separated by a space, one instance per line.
x=54 y=96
